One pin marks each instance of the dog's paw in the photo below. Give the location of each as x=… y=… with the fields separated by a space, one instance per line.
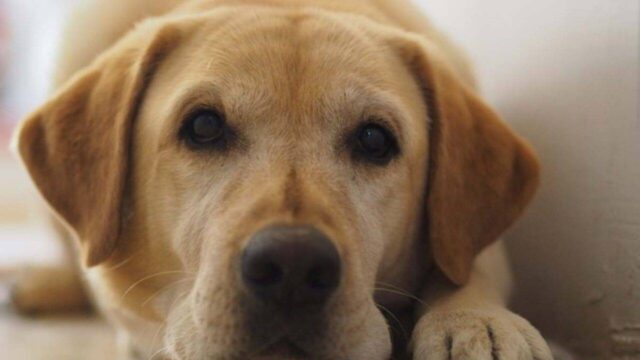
x=477 y=335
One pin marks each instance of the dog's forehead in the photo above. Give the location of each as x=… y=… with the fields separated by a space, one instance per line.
x=273 y=72
x=286 y=43
x=284 y=62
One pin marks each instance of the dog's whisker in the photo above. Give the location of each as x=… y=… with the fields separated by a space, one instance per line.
x=164 y=324
x=157 y=353
x=401 y=293
x=389 y=285
x=162 y=273
x=119 y=265
x=155 y=336
x=170 y=309
x=164 y=289
x=395 y=291
x=394 y=317
x=186 y=336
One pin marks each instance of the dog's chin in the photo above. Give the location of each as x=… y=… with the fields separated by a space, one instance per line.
x=283 y=349
x=339 y=332
x=376 y=345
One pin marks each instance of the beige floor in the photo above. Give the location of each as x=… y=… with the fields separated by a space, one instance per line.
x=67 y=337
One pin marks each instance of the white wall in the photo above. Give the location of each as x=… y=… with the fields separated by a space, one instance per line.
x=35 y=27
x=565 y=75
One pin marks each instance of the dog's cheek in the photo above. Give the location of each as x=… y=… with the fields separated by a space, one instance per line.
x=368 y=237
x=179 y=323
x=206 y=324
x=360 y=334
x=194 y=223
x=377 y=344
x=213 y=310
x=382 y=225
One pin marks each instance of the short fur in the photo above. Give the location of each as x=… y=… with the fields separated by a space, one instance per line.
x=160 y=226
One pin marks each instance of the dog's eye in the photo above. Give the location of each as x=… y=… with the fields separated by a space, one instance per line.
x=376 y=144
x=205 y=128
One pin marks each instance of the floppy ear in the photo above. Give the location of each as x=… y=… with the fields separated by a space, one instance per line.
x=76 y=146
x=481 y=174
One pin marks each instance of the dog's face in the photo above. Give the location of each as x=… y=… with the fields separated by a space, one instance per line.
x=250 y=145
x=246 y=178
x=255 y=138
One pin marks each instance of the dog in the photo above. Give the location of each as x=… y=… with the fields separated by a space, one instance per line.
x=280 y=179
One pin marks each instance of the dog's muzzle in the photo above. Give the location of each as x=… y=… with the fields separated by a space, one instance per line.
x=291 y=268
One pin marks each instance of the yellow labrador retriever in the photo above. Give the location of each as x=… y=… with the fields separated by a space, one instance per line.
x=281 y=179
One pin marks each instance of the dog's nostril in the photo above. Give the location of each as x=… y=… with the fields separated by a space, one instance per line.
x=291 y=266
x=264 y=274
x=323 y=277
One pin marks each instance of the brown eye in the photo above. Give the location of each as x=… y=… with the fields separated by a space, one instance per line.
x=375 y=144
x=205 y=128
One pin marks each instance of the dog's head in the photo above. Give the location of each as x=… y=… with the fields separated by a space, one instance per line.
x=246 y=178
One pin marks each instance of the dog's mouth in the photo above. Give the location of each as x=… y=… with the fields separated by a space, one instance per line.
x=283 y=349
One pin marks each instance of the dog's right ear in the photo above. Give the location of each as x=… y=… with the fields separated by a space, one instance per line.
x=76 y=146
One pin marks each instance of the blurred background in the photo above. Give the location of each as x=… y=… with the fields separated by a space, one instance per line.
x=29 y=35
x=565 y=74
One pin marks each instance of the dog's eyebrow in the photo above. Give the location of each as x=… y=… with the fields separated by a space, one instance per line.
x=202 y=95
x=380 y=104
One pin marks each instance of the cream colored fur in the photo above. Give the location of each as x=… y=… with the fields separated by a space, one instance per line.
x=160 y=260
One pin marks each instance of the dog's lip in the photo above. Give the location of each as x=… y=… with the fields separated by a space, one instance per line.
x=284 y=349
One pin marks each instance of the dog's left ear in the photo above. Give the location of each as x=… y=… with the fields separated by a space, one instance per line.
x=76 y=146
x=481 y=174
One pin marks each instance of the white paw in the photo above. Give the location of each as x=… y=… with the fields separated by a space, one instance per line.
x=477 y=335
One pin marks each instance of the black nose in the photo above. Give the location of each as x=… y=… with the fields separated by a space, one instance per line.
x=291 y=266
